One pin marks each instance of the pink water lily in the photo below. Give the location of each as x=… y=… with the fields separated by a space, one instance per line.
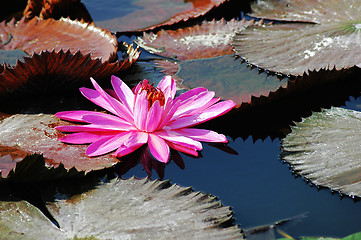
x=147 y=114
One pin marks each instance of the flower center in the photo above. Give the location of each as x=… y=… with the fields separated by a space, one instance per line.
x=153 y=94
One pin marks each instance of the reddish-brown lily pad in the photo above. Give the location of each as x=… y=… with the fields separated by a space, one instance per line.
x=56 y=9
x=22 y=135
x=332 y=41
x=51 y=70
x=37 y=35
x=209 y=39
x=57 y=55
x=147 y=15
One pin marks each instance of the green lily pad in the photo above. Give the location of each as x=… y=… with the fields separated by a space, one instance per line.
x=331 y=41
x=324 y=149
x=123 y=209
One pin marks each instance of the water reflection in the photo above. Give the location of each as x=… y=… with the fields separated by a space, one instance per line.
x=143 y=157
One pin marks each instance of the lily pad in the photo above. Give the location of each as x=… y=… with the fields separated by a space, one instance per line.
x=306 y=11
x=29 y=134
x=37 y=35
x=331 y=41
x=147 y=15
x=209 y=39
x=57 y=71
x=124 y=209
x=324 y=148
x=57 y=9
x=354 y=236
x=236 y=82
x=59 y=59
x=272 y=115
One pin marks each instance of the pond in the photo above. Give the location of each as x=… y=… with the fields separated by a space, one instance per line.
x=248 y=173
x=263 y=190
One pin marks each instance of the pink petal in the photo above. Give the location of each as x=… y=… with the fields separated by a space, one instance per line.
x=90 y=128
x=207 y=105
x=95 y=97
x=119 y=107
x=74 y=116
x=134 y=141
x=184 y=149
x=166 y=108
x=168 y=115
x=83 y=137
x=103 y=99
x=194 y=103
x=168 y=82
x=105 y=145
x=202 y=135
x=107 y=120
x=158 y=147
x=178 y=139
x=208 y=114
x=137 y=88
x=141 y=110
x=154 y=116
x=124 y=93
x=193 y=92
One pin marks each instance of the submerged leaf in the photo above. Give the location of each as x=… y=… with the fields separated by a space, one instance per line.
x=295 y=48
x=209 y=39
x=29 y=134
x=236 y=82
x=266 y=110
x=147 y=15
x=325 y=149
x=124 y=209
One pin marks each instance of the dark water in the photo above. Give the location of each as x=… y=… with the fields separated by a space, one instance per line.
x=105 y=10
x=262 y=190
